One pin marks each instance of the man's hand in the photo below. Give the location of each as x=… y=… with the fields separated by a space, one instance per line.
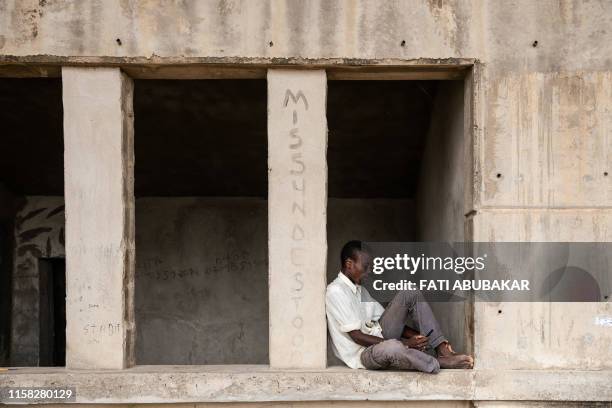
x=418 y=342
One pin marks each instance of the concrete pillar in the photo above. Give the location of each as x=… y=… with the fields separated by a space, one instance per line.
x=297 y=202
x=99 y=179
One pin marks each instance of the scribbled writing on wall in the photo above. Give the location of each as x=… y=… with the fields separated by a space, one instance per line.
x=154 y=268
x=297 y=102
x=92 y=332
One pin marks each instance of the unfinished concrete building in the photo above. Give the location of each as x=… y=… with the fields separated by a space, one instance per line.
x=177 y=179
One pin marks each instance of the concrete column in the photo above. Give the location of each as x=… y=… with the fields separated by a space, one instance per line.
x=99 y=179
x=297 y=204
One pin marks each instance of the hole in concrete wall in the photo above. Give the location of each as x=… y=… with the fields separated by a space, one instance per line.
x=201 y=222
x=31 y=209
x=52 y=289
x=396 y=171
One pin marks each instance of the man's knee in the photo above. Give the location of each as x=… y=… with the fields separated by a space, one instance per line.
x=382 y=355
x=389 y=349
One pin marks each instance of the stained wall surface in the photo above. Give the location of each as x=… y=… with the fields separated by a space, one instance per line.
x=201 y=272
x=201 y=281
x=441 y=199
x=541 y=107
x=39 y=232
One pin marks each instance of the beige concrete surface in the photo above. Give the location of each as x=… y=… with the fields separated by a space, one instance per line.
x=541 y=125
x=289 y=404
x=176 y=384
x=201 y=280
x=540 y=334
x=441 y=202
x=539 y=404
x=357 y=404
x=99 y=182
x=550 y=144
x=502 y=34
x=211 y=248
x=297 y=208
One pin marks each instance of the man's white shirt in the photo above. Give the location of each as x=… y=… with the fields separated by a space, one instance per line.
x=347 y=312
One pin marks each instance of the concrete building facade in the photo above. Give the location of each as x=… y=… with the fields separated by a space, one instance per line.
x=198 y=165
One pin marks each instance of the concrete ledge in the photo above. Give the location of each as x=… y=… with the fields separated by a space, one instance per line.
x=177 y=384
x=156 y=67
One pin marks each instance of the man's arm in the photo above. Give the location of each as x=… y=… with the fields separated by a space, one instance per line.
x=411 y=338
x=418 y=341
x=363 y=339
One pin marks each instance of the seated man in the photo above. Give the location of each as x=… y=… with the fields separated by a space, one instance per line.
x=365 y=335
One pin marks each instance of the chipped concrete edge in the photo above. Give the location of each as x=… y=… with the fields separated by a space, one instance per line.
x=258 y=384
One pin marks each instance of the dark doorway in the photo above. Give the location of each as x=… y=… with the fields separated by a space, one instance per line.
x=52 y=312
x=6 y=266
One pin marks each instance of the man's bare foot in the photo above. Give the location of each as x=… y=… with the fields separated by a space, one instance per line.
x=448 y=358
x=456 y=361
x=445 y=349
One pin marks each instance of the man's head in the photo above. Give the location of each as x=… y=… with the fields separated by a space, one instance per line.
x=355 y=261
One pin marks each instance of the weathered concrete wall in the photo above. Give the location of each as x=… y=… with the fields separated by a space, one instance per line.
x=538 y=404
x=201 y=281
x=498 y=34
x=440 y=199
x=261 y=383
x=202 y=272
x=39 y=233
x=550 y=147
x=241 y=28
x=441 y=196
x=297 y=212
x=169 y=271
x=541 y=108
x=359 y=404
x=99 y=196
x=545 y=335
x=539 y=95
x=293 y=404
x=199 y=255
x=201 y=277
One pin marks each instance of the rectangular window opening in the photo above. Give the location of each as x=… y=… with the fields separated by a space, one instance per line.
x=32 y=329
x=397 y=172
x=201 y=221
